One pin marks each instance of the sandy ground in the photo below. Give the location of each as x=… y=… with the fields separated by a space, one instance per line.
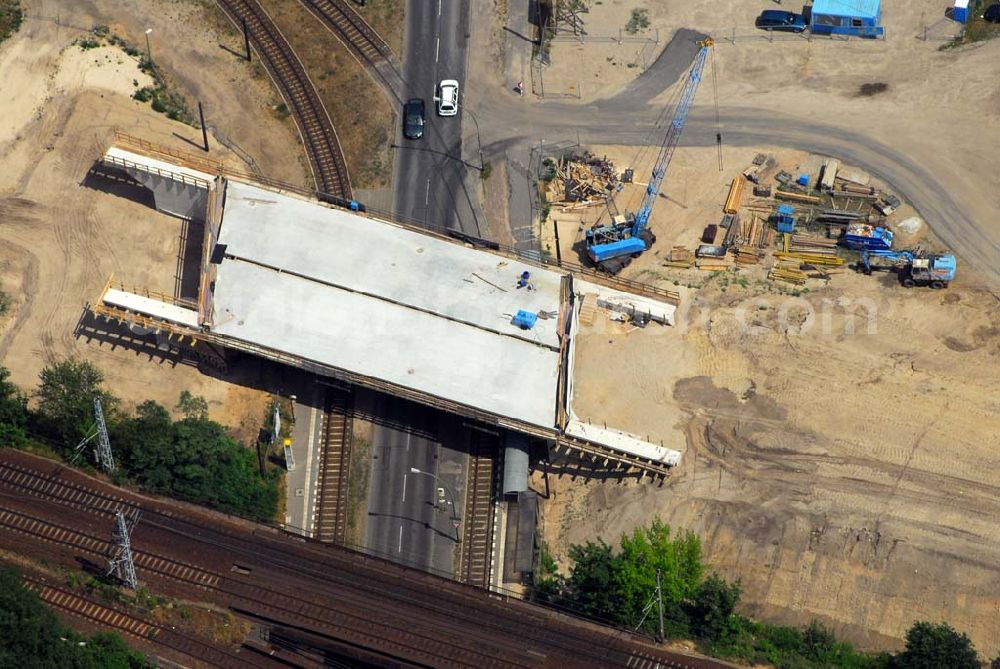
x=62 y=237
x=598 y=65
x=841 y=446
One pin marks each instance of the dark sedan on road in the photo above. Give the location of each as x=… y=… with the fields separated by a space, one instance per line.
x=773 y=19
x=413 y=119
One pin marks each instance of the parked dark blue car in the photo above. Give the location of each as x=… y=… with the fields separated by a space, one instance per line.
x=774 y=19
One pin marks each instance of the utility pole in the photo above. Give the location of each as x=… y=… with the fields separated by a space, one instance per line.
x=204 y=130
x=246 y=41
x=149 y=51
x=659 y=604
x=121 y=564
x=555 y=228
x=102 y=448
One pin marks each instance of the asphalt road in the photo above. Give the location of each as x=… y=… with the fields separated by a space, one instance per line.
x=408 y=520
x=429 y=180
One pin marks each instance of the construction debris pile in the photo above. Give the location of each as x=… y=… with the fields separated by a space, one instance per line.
x=575 y=182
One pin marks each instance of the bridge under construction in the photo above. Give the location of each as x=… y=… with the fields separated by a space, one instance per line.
x=452 y=322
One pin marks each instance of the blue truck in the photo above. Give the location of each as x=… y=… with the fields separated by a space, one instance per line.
x=914 y=267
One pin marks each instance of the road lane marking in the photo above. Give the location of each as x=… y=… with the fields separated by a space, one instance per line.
x=399 y=548
x=404 y=487
x=427 y=193
x=437 y=48
x=408 y=436
x=439 y=7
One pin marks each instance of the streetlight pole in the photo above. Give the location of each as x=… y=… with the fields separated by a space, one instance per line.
x=149 y=51
x=479 y=141
x=454 y=511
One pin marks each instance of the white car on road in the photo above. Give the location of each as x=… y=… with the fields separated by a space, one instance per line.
x=447 y=98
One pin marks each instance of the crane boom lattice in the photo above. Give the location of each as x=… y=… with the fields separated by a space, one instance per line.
x=624 y=239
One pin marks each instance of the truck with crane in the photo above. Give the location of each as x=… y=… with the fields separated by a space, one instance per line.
x=612 y=246
x=914 y=267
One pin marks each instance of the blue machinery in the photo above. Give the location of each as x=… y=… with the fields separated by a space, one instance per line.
x=613 y=245
x=914 y=268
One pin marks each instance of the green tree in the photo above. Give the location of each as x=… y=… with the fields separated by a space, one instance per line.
x=930 y=646
x=32 y=638
x=13 y=412
x=712 y=608
x=592 y=582
x=192 y=406
x=193 y=459
x=145 y=446
x=66 y=401
x=678 y=560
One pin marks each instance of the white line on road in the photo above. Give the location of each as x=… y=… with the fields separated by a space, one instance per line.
x=439 y=7
x=404 y=486
x=399 y=548
x=427 y=193
x=437 y=49
x=408 y=437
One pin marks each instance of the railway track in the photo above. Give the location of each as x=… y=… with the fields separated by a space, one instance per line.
x=326 y=159
x=124 y=622
x=335 y=468
x=346 y=617
x=343 y=596
x=361 y=41
x=480 y=505
x=351 y=29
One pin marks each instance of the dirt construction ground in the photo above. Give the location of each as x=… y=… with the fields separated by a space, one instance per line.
x=61 y=236
x=843 y=445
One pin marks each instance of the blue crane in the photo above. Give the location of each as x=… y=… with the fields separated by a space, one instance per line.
x=914 y=267
x=612 y=246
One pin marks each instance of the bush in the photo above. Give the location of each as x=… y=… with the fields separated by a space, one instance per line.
x=933 y=646
x=638 y=21
x=11 y=17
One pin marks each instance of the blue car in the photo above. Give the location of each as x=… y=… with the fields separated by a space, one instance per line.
x=773 y=19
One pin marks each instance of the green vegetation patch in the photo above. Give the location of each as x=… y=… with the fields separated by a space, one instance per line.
x=193 y=458
x=639 y=20
x=618 y=585
x=11 y=17
x=31 y=636
x=162 y=94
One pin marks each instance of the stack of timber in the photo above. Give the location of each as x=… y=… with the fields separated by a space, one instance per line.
x=811 y=258
x=748 y=255
x=680 y=256
x=751 y=233
x=810 y=244
x=841 y=216
x=785 y=194
x=787 y=274
x=714 y=264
